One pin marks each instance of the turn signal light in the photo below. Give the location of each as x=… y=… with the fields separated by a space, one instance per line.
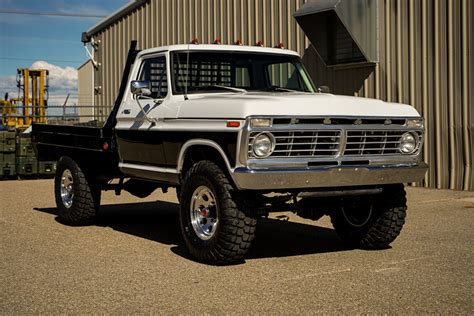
x=415 y=123
x=233 y=124
x=260 y=122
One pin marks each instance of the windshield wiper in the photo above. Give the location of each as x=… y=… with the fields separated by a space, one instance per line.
x=277 y=88
x=233 y=89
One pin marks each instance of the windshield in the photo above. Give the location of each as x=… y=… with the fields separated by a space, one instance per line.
x=211 y=72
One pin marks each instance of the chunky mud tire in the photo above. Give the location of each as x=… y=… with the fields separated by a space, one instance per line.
x=380 y=222
x=178 y=193
x=229 y=240
x=77 y=198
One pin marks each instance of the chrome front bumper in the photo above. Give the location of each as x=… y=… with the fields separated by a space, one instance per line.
x=338 y=176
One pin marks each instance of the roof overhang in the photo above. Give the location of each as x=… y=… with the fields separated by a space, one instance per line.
x=111 y=19
x=342 y=31
x=84 y=64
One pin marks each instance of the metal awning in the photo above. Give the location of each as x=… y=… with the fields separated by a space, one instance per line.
x=342 y=31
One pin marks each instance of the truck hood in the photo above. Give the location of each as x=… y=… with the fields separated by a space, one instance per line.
x=242 y=105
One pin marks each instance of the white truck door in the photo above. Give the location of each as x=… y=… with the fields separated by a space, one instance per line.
x=139 y=118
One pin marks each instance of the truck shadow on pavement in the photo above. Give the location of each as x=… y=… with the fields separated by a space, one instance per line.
x=159 y=221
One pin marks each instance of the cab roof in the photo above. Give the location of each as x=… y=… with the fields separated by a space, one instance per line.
x=221 y=48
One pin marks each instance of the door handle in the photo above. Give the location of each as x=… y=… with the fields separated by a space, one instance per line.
x=126 y=111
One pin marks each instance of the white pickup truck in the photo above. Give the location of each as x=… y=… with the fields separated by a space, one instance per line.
x=240 y=132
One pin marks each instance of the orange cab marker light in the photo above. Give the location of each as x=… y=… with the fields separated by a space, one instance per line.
x=238 y=42
x=259 y=43
x=217 y=41
x=195 y=41
x=280 y=45
x=233 y=124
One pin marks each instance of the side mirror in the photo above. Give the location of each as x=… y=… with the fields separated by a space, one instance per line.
x=140 y=87
x=324 y=89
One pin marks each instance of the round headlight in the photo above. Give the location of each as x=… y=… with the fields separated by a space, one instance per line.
x=263 y=145
x=408 y=143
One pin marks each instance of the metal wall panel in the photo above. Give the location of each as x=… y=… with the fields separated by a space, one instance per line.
x=425 y=53
x=167 y=22
x=425 y=60
x=85 y=91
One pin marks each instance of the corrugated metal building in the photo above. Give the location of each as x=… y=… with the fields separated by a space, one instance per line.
x=414 y=52
x=85 y=91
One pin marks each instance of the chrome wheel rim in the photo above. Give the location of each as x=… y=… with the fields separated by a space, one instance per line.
x=203 y=212
x=357 y=216
x=67 y=188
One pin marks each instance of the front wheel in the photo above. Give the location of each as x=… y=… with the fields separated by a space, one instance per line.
x=215 y=230
x=373 y=223
x=77 y=198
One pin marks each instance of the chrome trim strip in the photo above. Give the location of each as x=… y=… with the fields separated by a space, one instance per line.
x=205 y=142
x=340 y=117
x=242 y=148
x=342 y=144
x=309 y=127
x=200 y=141
x=124 y=165
x=295 y=162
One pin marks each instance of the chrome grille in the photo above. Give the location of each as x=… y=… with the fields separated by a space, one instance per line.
x=375 y=142
x=316 y=143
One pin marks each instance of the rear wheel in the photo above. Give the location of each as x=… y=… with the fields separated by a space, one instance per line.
x=215 y=230
x=77 y=198
x=374 y=223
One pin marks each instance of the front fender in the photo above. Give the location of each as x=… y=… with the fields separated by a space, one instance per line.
x=202 y=142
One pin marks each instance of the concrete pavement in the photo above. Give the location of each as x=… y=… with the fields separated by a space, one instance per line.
x=133 y=261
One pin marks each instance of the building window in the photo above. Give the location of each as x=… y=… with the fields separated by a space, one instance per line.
x=342 y=48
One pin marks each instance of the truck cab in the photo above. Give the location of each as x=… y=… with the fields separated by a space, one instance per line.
x=240 y=132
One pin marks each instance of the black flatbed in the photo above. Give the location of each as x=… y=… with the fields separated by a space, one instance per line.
x=89 y=146
x=93 y=148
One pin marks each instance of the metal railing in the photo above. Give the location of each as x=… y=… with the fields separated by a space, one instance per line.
x=13 y=116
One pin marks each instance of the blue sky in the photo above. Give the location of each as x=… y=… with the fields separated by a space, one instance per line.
x=26 y=39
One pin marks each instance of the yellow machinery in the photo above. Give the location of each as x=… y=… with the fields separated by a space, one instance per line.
x=30 y=106
x=10 y=116
x=17 y=158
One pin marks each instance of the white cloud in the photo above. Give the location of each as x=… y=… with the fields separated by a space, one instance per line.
x=62 y=81
x=8 y=85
